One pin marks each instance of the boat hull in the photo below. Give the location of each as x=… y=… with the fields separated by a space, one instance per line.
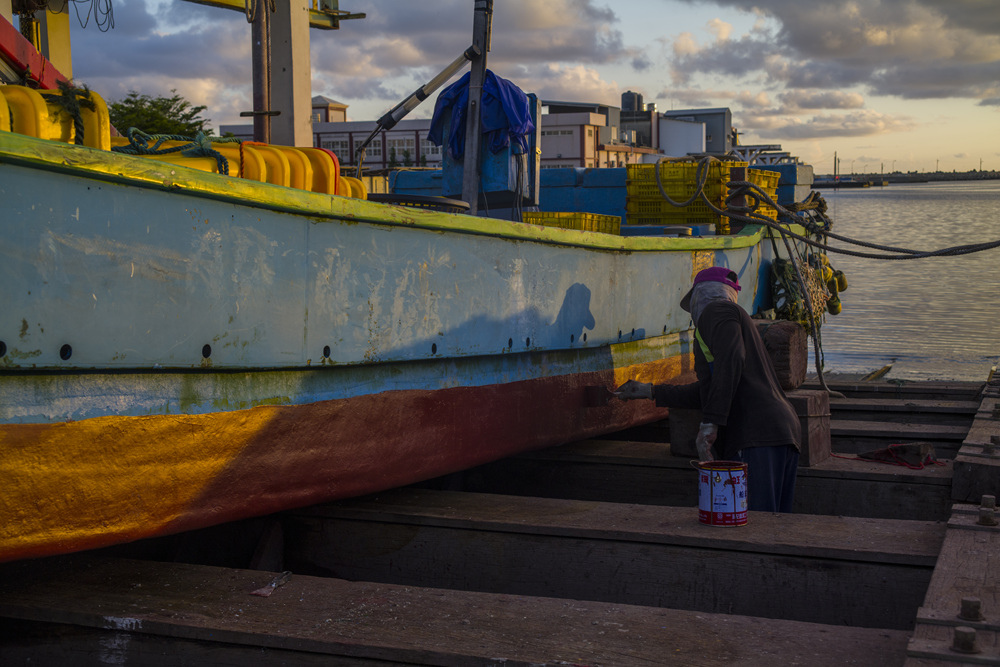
x=180 y=349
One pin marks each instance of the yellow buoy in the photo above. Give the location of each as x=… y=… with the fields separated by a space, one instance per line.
x=841 y=280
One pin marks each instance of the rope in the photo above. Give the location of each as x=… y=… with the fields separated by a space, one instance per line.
x=199 y=146
x=896 y=460
x=71 y=99
x=748 y=214
x=250 y=8
x=103 y=11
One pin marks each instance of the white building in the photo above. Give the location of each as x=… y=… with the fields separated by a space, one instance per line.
x=573 y=136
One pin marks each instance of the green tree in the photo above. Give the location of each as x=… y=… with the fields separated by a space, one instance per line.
x=158 y=115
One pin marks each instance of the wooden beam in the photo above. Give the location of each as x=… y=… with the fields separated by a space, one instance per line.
x=967 y=567
x=67 y=611
x=622 y=471
x=860 y=572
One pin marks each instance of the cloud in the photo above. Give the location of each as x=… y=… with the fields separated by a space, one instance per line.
x=916 y=49
x=569 y=82
x=720 y=29
x=854 y=124
x=821 y=99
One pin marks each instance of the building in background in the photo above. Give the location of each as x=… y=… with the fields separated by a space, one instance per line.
x=639 y=121
x=573 y=135
x=325 y=110
x=718 y=126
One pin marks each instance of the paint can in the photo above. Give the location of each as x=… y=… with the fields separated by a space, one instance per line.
x=722 y=493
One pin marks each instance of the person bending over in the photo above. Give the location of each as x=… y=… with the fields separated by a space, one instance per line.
x=745 y=414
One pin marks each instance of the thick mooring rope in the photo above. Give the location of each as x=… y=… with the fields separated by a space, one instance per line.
x=142 y=143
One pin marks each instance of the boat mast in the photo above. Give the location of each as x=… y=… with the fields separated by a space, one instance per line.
x=280 y=42
x=481 y=28
x=259 y=15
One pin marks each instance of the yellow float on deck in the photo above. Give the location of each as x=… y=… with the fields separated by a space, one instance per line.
x=41 y=114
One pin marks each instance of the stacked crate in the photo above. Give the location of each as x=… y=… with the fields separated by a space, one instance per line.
x=588 y=222
x=645 y=204
x=768 y=182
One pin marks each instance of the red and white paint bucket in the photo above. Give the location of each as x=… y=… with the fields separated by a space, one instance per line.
x=722 y=493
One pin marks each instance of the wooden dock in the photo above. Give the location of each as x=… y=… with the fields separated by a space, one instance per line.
x=588 y=554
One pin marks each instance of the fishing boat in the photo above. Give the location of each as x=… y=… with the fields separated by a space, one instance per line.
x=181 y=348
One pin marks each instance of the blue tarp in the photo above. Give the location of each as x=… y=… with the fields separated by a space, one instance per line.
x=506 y=115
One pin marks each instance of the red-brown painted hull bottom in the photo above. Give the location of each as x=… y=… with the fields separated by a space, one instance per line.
x=351 y=447
x=96 y=482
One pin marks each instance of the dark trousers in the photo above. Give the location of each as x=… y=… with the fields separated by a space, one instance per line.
x=770 y=476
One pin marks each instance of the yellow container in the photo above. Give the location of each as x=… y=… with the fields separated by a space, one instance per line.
x=358 y=190
x=300 y=172
x=768 y=182
x=38 y=113
x=588 y=222
x=645 y=205
x=30 y=114
x=4 y=115
x=277 y=169
x=325 y=170
x=254 y=168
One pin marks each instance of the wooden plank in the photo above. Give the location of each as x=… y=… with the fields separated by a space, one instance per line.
x=932 y=390
x=861 y=572
x=956 y=413
x=134 y=612
x=975 y=476
x=907 y=405
x=898 y=431
x=848 y=538
x=968 y=566
x=647 y=473
x=977 y=468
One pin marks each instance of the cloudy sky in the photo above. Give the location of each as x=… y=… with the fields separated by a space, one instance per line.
x=904 y=84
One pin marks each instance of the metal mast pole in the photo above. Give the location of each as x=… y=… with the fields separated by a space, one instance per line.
x=481 y=27
x=261 y=36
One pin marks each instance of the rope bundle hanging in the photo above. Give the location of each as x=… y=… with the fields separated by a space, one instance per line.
x=251 y=7
x=71 y=100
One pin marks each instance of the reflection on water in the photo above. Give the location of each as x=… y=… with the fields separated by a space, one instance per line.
x=931 y=318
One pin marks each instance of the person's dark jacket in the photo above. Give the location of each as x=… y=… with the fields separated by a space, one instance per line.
x=740 y=392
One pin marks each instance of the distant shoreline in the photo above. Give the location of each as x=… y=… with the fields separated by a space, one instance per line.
x=917 y=177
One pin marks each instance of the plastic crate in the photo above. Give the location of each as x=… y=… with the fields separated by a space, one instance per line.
x=661 y=207
x=679 y=171
x=765 y=180
x=588 y=222
x=645 y=204
x=768 y=182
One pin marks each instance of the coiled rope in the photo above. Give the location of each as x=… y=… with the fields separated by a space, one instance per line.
x=142 y=143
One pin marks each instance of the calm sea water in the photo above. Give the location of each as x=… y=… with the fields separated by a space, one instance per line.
x=935 y=318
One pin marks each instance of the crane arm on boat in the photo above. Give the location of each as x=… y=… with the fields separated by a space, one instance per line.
x=396 y=114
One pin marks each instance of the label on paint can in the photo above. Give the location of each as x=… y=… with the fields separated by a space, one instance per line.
x=722 y=493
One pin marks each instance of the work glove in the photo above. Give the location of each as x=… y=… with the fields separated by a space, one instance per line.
x=633 y=389
x=707 y=433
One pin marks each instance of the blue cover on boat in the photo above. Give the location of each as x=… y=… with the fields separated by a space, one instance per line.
x=506 y=115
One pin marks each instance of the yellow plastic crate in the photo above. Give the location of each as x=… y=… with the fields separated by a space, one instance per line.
x=645 y=204
x=679 y=171
x=768 y=182
x=588 y=222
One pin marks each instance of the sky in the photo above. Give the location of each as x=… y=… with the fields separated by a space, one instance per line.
x=904 y=85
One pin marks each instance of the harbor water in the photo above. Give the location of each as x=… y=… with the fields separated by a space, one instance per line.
x=935 y=318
